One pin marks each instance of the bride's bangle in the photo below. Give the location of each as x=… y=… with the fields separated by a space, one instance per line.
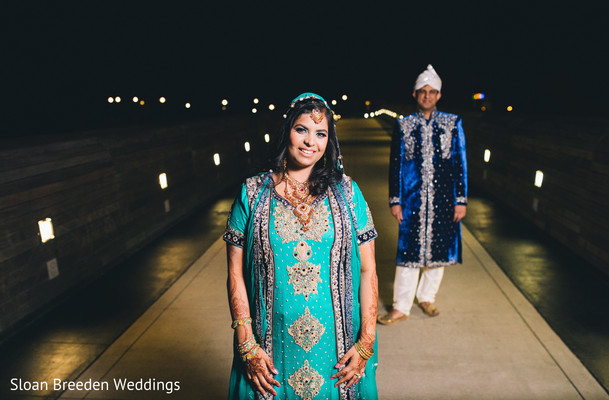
x=241 y=321
x=362 y=351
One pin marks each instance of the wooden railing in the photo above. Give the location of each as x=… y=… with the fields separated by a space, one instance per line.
x=101 y=191
x=572 y=153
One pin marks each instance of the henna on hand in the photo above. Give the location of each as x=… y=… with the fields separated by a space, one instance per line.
x=259 y=374
x=353 y=364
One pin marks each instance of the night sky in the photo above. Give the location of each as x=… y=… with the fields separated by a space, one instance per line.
x=63 y=59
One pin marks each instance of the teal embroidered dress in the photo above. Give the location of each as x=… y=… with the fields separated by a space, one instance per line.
x=303 y=287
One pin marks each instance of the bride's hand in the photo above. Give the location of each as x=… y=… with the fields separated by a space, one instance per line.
x=259 y=369
x=355 y=367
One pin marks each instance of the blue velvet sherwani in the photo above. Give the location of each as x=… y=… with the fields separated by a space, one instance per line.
x=428 y=177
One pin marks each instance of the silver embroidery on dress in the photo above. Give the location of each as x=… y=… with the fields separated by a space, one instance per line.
x=407 y=125
x=446 y=123
x=304 y=276
x=446 y=143
x=335 y=255
x=426 y=212
x=306 y=331
x=461 y=199
x=289 y=228
x=253 y=186
x=306 y=382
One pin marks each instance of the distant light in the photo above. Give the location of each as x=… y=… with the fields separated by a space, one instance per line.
x=254 y=111
x=478 y=96
x=256 y=100
x=510 y=108
x=538 y=178
x=162 y=100
x=271 y=107
x=217 y=159
x=483 y=108
x=135 y=99
x=247 y=146
x=117 y=99
x=267 y=137
x=187 y=105
x=110 y=99
x=334 y=102
x=45 y=227
x=344 y=97
x=142 y=102
x=163 y=180
x=224 y=102
x=366 y=115
x=487 y=155
x=367 y=102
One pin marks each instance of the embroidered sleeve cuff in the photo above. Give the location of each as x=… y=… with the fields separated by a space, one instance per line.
x=393 y=201
x=461 y=201
x=366 y=236
x=234 y=237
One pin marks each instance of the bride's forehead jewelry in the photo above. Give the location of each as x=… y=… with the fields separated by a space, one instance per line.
x=316 y=115
x=305 y=96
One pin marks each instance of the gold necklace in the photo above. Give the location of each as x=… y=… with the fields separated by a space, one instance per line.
x=297 y=193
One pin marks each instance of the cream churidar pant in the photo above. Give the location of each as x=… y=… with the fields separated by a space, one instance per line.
x=405 y=286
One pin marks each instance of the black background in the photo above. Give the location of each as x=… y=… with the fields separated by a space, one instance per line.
x=63 y=59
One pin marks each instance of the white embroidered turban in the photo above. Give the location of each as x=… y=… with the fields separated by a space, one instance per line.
x=428 y=77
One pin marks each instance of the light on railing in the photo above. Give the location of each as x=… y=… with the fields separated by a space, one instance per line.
x=217 y=159
x=187 y=105
x=254 y=111
x=366 y=115
x=344 y=97
x=487 y=155
x=538 y=178
x=224 y=102
x=110 y=99
x=117 y=99
x=256 y=100
x=162 y=100
x=247 y=146
x=135 y=99
x=271 y=107
x=45 y=227
x=267 y=137
x=52 y=268
x=163 y=180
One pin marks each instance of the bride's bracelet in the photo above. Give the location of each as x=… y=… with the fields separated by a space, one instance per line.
x=249 y=355
x=248 y=349
x=241 y=321
x=246 y=346
x=362 y=351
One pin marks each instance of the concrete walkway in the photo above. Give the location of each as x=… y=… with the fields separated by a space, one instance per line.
x=488 y=343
